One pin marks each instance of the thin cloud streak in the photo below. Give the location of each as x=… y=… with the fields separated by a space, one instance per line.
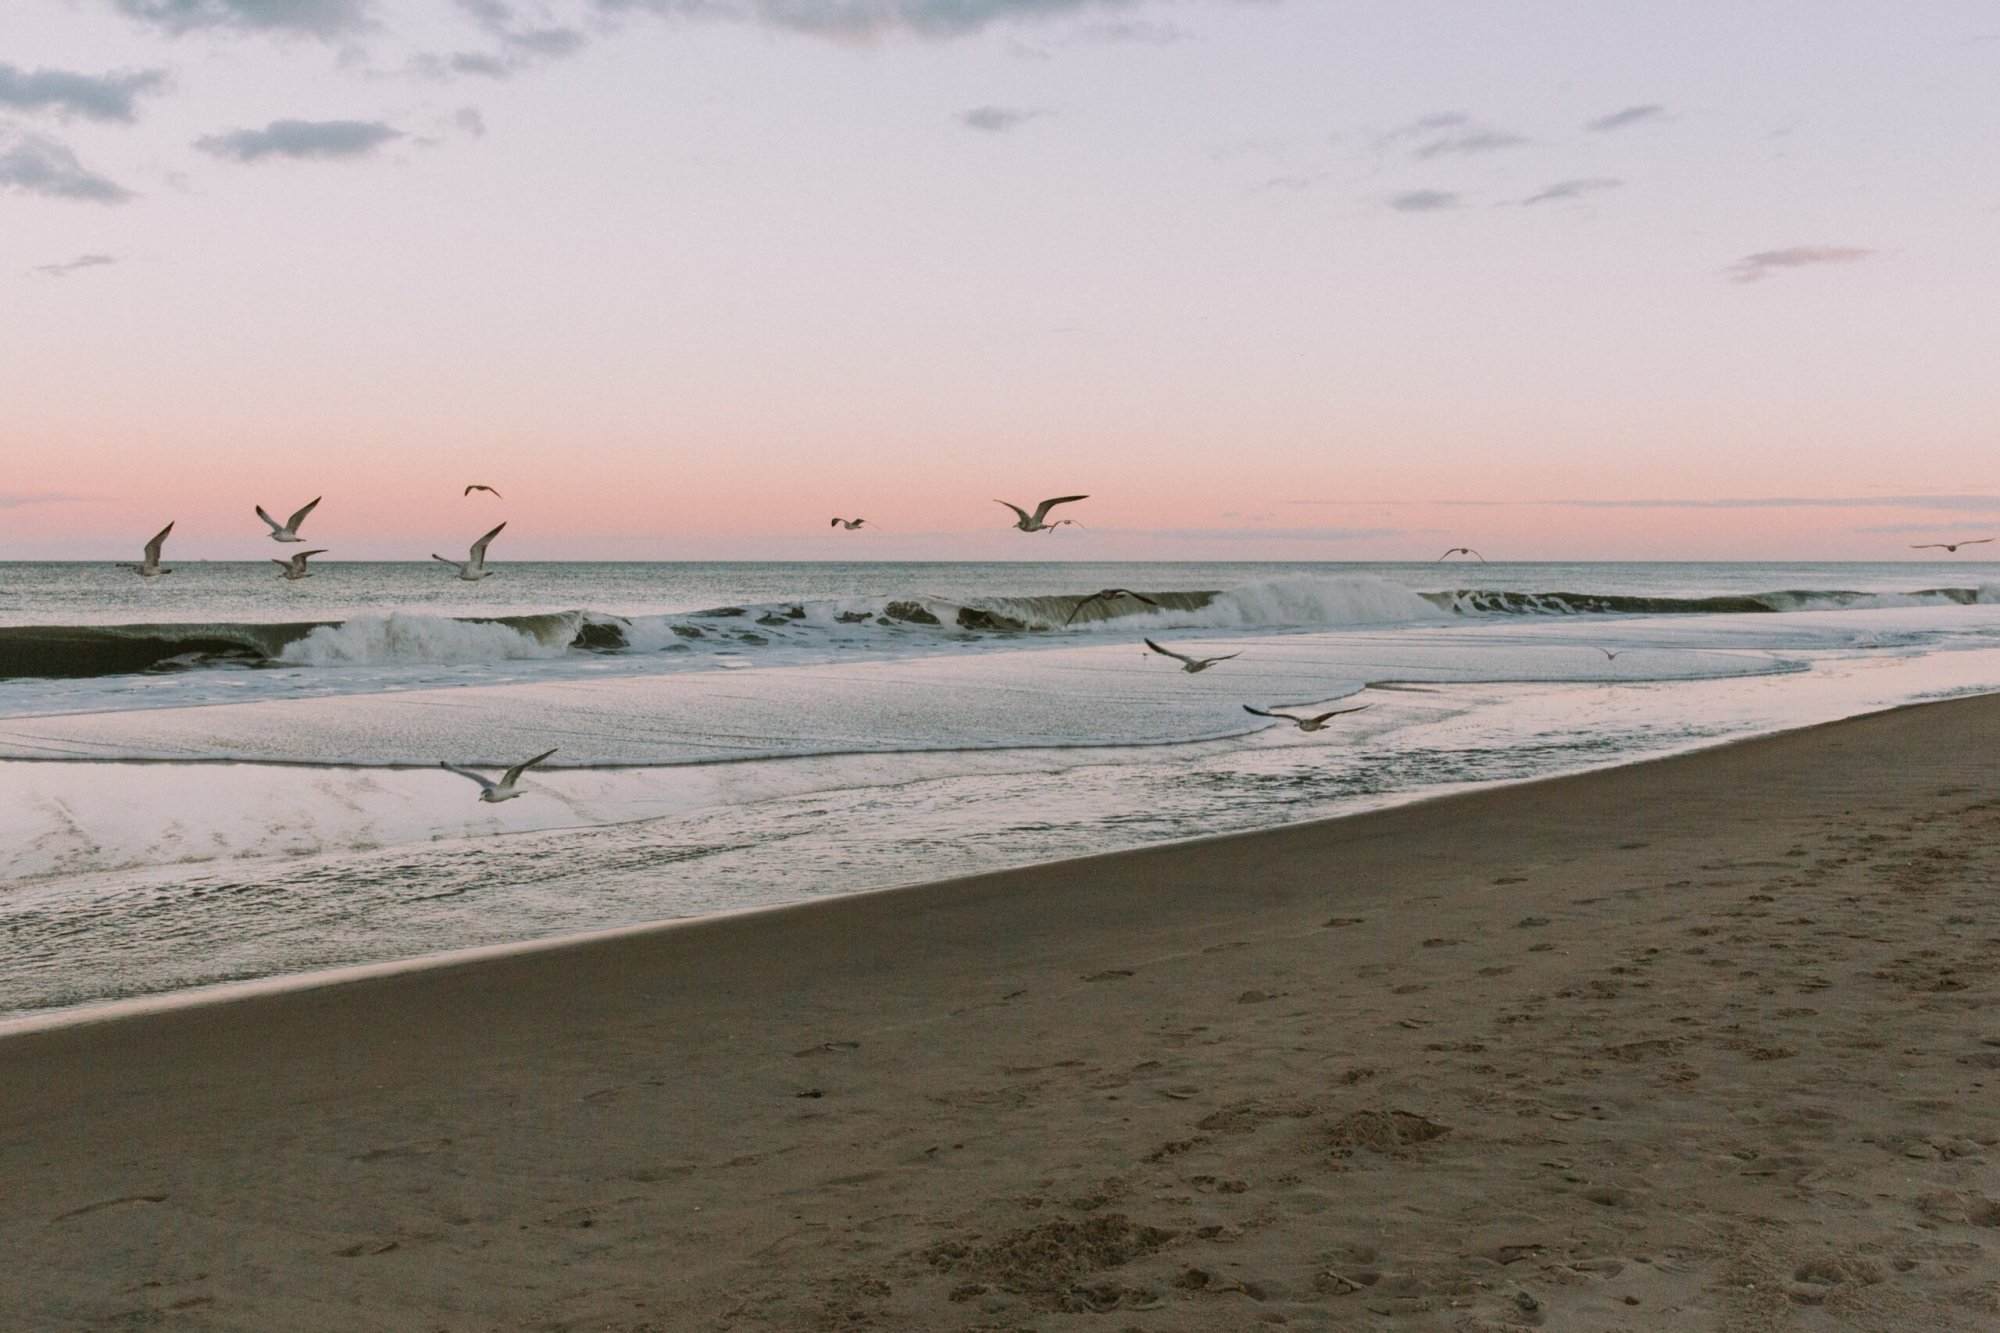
x=1756 y=267
x=1572 y=189
x=865 y=20
x=1423 y=201
x=1631 y=115
x=300 y=139
x=317 y=18
x=997 y=119
x=70 y=266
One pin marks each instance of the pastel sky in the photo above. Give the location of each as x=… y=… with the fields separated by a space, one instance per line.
x=1297 y=279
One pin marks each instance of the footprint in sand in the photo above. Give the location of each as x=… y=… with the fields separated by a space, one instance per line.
x=108 y=1203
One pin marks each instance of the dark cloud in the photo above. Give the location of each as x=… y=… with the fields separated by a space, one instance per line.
x=36 y=164
x=98 y=97
x=864 y=19
x=69 y=266
x=1471 y=141
x=1631 y=115
x=1423 y=201
x=1573 y=189
x=997 y=119
x=1757 y=267
x=301 y=138
x=319 y=18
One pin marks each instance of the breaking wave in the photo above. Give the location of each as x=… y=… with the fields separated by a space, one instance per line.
x=886 y=623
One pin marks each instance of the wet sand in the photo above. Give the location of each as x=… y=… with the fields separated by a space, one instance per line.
x=1704 y=1043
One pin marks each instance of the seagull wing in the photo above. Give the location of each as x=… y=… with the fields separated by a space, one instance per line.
x=1178 y=657
x=453 y=563
x=275 y=525
x=1082 y=602
x=517 y=770
x=1335 y=713
x=1140 y=597
x=1017 y=509
x=153 y=546
x=1042 y=509
x=1930 y=546
x=1289 y=717
x=1475 y=555
x=1976 y=541
x=286 y=563
x=479 y=547
x=834 y=524
x=488 y=783
x=300 y=517
x=1449 y=554
x=1211 y=661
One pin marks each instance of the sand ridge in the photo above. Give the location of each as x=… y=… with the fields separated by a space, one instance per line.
x=1698 y=1044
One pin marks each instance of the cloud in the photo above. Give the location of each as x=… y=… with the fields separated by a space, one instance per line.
x=69 y=266
x=1423 y=201
x=864 y=20
x=22 y=499
x=36 y=164
x=1136 y=31
x=1761 y=265
x=468 y=119
x=500 y=18
x=318 y=18
x=1430 y=124
x=1472 y=141
x=96 y=97
x=997 y=119
x=1573 y=189
x=301 y=138
x=1631 y=115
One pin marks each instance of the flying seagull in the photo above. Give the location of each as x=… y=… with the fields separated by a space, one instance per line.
x=1305 y=723
x=151 y=568
x=290 y=531
x=504 y=789
x=1951 y=546
x=1108 y=595
x=1463 y=550
x=295 y=569
x=1034 y=523
x=849 y=523
x=1191 y=665
x=1609 y=655
x=477 y=487
x=474 y=569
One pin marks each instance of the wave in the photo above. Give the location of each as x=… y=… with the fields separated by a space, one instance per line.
x=887 y=623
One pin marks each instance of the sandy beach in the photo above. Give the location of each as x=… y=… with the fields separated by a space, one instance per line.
x=1704 y=1043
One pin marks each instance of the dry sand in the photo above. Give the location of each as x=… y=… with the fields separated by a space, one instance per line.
x=1708 y=1043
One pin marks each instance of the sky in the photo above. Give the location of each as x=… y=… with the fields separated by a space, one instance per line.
x=1267 y=279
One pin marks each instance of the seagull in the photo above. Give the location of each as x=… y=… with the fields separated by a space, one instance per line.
x=289 y=532
x=1035 y=523
x=474 y=569
x=504 y=789
x=1305 y=723
x=849 y=523
x=1609 y=655
x=1108 y=595
x=477 y=487
x=1462 y=550
x=1191 y=665
x=151 y=568
x=295 y=568
x=1951 y=546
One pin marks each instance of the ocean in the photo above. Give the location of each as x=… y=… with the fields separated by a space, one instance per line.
x=218 y=777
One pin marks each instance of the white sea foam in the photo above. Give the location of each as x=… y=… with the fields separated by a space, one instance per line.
x=401 y=638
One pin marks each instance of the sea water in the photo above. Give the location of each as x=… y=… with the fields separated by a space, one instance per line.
x=218 y=775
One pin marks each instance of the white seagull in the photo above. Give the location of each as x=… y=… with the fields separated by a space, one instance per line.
x=849 y=523
x=1305 y=723
x=1463 y=550
x=474 y=569
x=1034 y=523
x=290 y=531
x=475 y=486
x=1191 y=665
x=151 y=568
x=1951 y=546
x=504 y=789
x=295 y=569
x=1107 y=595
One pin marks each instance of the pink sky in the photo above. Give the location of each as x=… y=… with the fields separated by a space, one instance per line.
x=685 y=289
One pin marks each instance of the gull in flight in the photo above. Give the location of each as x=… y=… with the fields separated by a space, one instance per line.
x=475 y=486
x=849 y=523
x=290 y=531
x=504 y=789
x=1107 y=595
x=1191 y=665
x=474 y=569
x=1034 y=523
x=151 y=568
x=1305 y=723
x=1463 y=550
x=1951 y=546
x=295 y=569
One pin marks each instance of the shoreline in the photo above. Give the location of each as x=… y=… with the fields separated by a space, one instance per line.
x=1694 y=1042
x=227 y=992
